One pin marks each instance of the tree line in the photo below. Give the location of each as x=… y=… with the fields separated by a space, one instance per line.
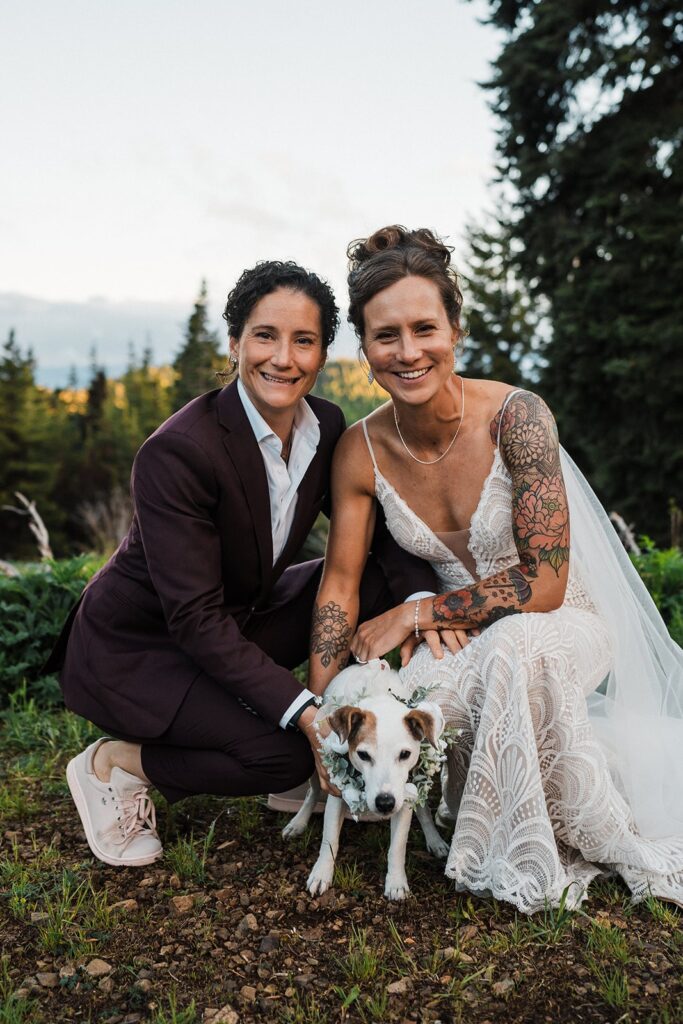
x=572 y=287
x=70 y=450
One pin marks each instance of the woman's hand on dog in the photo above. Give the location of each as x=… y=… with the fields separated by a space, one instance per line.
x=314 y=734
x=396 y=627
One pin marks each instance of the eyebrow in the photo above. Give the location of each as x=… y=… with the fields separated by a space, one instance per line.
x=270 y=327
x=414 y=323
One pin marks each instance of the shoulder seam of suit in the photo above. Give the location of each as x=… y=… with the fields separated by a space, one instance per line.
x=186 y=437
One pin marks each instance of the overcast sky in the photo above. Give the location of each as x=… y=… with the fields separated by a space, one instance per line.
x=150 y=143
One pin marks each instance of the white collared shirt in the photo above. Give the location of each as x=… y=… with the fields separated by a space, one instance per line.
x=283 y=478
x=283 y=481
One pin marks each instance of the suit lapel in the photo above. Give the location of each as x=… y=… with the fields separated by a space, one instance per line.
x=246 y=457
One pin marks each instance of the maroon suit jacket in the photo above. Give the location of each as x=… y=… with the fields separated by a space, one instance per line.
x=196 y=562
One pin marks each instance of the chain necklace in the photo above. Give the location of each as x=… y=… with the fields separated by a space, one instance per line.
x=286 y=448
x=432 y=462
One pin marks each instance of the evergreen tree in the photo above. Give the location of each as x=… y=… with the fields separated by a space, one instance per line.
x=147 y=394
x=199 y=358
x=503 y=341
x=28 y=448
x=345 y=382
x=590 y=102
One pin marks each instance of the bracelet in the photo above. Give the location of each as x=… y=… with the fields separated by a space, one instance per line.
x=417 y=612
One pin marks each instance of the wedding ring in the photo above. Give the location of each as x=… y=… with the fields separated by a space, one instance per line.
x=360 y=660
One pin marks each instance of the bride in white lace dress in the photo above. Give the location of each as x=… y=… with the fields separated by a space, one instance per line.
x=547 y=656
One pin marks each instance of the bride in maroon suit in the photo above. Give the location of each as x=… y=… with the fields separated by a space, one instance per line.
x=181 y=647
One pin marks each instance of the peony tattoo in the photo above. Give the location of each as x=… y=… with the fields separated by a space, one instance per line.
x=542 y=520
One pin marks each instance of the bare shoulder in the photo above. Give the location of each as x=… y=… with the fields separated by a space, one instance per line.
x=516 y=407
x=352 y=463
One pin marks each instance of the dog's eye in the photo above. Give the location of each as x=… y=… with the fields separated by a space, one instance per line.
x=364 y=756
x=404 y=755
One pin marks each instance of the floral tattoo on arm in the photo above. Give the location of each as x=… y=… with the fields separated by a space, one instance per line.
x=540 y=516
x=330 y=634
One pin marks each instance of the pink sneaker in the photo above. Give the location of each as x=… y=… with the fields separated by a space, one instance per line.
x=118 y=816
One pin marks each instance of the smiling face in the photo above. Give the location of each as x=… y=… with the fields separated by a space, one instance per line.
x=279 y=351
x=408 y=339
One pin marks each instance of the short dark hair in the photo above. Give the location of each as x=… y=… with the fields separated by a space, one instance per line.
x=266 y=277
x=392 y=253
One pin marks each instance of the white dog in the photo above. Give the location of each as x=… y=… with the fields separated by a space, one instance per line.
x=381 y=737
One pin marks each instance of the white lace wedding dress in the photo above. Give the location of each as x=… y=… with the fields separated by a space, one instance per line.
x=536 y=809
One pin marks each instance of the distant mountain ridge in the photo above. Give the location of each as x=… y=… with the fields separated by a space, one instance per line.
x=62 y=334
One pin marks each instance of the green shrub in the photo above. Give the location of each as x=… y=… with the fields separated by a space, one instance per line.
x=33 y=607
x=662 y=573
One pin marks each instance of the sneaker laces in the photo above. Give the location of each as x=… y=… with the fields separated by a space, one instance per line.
x=137 y=817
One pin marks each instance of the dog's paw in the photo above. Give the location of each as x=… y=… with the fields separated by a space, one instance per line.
x=438 y=848
x=396 y=887
x=293 y=829
x=320 y=879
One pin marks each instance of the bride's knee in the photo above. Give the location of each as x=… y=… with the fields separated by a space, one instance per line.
x=527 y=632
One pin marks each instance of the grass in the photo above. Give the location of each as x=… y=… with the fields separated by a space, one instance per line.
x=609 y=942
x=363 y=961
x=612 y=984
x=78 y=916
x=187 y=856
x=348 y=877
x=549 y=926
x=12 y=1009
x=246 y=816
x=375 y=1008
x=358 y=943
x=28 y=728
x=304 y=1009
x=172 y=1014
x=663 y=913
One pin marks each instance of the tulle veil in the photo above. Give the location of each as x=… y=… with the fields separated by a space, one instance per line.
x=637 y=712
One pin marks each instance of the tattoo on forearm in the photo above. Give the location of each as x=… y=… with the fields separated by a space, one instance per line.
x=330 y=633
x=458 y=606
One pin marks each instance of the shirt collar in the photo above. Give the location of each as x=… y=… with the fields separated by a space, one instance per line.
x=305 y=420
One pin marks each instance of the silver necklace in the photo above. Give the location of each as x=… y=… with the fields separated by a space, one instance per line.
x=286 y=449
x=432 y=462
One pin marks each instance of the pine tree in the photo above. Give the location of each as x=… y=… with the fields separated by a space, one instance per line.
x=199 y=358
x=28 y=448
x=504 y=341
x=590 y=102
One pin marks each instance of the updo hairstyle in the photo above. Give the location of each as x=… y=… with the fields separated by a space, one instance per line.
x=267 y=277
x=392 y=253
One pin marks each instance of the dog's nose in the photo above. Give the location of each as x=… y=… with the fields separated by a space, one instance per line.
x=385 y=803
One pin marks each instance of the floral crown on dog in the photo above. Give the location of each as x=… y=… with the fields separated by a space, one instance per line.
x=349 y=781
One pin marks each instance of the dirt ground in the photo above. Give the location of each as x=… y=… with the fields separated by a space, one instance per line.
x=223 y=929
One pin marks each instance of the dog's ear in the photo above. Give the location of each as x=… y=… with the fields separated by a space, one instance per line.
x=346 y=721
x=423 y=724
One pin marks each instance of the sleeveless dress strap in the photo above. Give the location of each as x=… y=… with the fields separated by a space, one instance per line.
x=517 y=391
x=367 y=441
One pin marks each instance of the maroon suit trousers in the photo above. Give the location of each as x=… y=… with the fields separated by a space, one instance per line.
x=217 y=745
